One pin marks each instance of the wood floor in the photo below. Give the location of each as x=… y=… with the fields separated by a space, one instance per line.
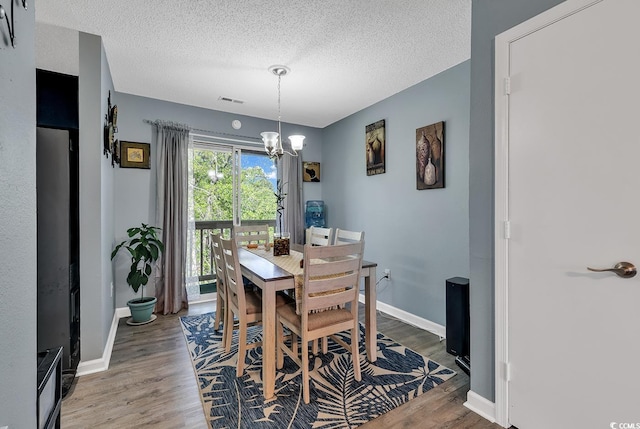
x=150 y=383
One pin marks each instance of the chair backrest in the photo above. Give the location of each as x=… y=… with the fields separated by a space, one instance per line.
x=343 y=236
x=331 y=276
x=233 y=274
x=245 y=234
x=218 y=260
x=317 y=236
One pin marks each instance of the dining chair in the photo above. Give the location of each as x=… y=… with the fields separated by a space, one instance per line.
x=343 y=236
x=245 y=304
x=331 y=280
x=317 y=236
x=247 y=234
x=222 y=314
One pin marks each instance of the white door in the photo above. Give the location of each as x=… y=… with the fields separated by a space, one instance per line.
x=573 y=139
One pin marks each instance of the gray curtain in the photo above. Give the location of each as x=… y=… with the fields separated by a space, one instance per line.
x=171 y=141
x=290 y=172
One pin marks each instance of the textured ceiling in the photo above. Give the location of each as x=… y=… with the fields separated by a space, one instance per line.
x=344 y=55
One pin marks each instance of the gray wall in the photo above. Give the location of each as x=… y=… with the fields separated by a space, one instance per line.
x=135 y=195
x=489 y=18
x=422 y=236
x=18 y=281
x=96 y=200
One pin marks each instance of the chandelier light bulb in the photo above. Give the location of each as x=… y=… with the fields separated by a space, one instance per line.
x=297 y=142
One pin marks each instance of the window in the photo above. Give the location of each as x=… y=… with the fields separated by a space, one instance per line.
x=230 y=185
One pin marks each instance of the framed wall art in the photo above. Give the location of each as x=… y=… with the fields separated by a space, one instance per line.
x=134 y=155
x=375 y=147
x=430 y=156
x=310 y=171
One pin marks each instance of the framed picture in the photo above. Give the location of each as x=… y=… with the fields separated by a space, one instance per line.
x=374 y=148
x=430 y=156
x=134 y=155
x=311 y=171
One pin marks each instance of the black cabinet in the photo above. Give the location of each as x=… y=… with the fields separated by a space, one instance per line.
x=57 y=186
x=49 y=401
x=458 y=321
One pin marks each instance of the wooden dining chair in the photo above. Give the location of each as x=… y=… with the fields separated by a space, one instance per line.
x=331 y=280
x=343 y=236
x=246 y=305
x=317 y=236
x=246 y=234
x=222 y=314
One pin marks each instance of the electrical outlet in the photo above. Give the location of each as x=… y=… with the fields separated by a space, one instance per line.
x=387 y=273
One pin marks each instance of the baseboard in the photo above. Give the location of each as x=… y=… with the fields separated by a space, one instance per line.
x=411 y=319
x=481 y=406
x=204 y=297
x=102 y=364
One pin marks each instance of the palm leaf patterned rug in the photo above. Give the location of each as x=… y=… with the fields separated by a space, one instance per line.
x=337 y=399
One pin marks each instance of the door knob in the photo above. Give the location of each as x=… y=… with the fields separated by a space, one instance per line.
x=623 y=269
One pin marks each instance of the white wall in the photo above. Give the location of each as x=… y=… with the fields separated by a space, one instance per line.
x=18 y=281
x=422 y=236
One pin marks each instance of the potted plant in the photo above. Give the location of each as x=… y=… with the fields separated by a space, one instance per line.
x=145 y=248
x=280 y=238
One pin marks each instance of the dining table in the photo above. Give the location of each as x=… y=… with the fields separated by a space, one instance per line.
x=267 y=273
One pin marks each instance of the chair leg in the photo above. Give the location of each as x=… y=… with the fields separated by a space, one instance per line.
x=219 y=314
x=305 y=371
x=242 y=348
x=227 y=329
x=314 y=346
x=229 y=326
x=355 y=352
x=325 y=345
x=279 y=344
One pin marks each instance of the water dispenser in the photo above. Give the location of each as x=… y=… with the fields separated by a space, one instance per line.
x=314 y=213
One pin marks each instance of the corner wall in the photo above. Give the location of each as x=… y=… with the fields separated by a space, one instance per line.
x=96 y=200
x=422 y=236
x=488 y=19
x=18 y=278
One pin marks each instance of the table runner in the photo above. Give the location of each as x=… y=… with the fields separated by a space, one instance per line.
x=290 y=263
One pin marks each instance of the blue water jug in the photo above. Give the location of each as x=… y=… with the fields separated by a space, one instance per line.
x=314 y=213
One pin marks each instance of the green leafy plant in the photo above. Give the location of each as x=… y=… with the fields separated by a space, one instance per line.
x=145 y=248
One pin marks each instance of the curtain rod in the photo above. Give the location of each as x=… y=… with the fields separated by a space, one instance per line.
x=216 y=134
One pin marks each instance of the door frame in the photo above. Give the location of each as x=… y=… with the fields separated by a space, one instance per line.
x=501 y=190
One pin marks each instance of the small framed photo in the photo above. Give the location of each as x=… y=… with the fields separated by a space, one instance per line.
x=311 y=171
x=134 y=155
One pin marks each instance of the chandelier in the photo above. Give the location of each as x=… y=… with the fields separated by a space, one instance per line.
x=272 y=140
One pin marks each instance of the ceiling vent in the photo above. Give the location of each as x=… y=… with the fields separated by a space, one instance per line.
x=230 y=100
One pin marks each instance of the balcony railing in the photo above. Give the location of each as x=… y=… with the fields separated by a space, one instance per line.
x=205 y=230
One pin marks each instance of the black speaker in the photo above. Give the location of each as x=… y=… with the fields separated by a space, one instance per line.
x=458 y=334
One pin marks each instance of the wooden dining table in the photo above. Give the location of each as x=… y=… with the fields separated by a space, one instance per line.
x=270 y=278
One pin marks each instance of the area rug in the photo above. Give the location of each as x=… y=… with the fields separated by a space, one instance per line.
x=337 y=399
